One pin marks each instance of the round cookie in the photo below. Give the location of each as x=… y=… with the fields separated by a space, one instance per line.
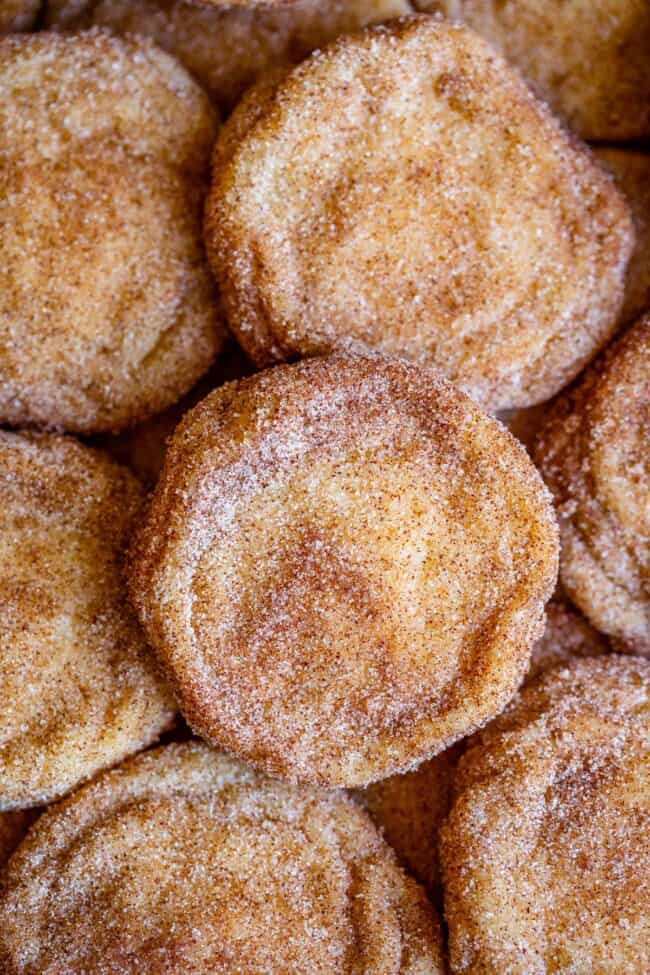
x=545 y=853
x=631 y=170
x=227 y=48
x=411 y=808
x=79 y=688
x=588 y=58
x=344 y=567
x=108 y=309
x=403 y=190
x=184 y=861
x=18 y=15
x=594 y=453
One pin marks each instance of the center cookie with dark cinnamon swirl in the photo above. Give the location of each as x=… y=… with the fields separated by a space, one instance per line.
x=344 y=567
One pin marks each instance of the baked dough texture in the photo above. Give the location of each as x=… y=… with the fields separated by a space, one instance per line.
x=403 y=190
x=183 y=861
x=594 y=453
x=108 y=311
x=587 y=58
x=344 y=567
x=545 y=853
x=80 y=689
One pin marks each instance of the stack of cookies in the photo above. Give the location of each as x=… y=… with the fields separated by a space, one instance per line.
x=325 y=487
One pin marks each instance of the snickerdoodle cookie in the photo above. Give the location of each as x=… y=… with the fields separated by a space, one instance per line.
x=344 y=567
x=545 y=853
x=184 y=861
x=79 y=686
x=108 y=312
x=594 y=453
x=402 y=189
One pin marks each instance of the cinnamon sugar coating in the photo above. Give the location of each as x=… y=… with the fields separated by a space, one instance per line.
x=631 y=170
x=594 y=454
x=184 y=861
x=545 y=853
x=228 y=47
x=79 y=688
x=411 y=808
x=403 y=190
x=587 y=58
x=143 y=448
x=18 y=14
x=108 y=309
x=343 y=568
